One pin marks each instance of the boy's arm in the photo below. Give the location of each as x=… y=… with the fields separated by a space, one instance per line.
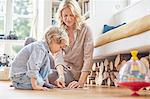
x=35 y=86
x=60 y=82
x=59 y=62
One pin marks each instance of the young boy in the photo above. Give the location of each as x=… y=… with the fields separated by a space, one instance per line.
x=33 y=64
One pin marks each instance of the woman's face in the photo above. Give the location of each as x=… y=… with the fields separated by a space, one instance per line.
x=67 y=17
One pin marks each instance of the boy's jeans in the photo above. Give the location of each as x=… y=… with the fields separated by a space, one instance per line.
x=22 y=81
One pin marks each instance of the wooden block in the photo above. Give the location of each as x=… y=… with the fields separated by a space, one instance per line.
x=117 y=61
x=92 y=82
x=94 y=67
x=145 y=61
x=112 y=76
x=120 y=65
x=101 y=69
x=116 y=82
x=111 y=66
x=106 y=63
x=4 y=73
x=108 y=82
x=99 y=79
x=105 y=75
x=116 y=74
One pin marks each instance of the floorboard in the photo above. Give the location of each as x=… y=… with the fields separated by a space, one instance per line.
x=89 y=92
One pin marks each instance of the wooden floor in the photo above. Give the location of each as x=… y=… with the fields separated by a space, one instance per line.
x=90 y=92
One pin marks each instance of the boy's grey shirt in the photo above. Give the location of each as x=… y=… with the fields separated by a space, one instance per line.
x=31 y=58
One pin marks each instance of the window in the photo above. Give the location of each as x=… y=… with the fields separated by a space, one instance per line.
x=22 y=17
x=15 y=16
x=10 y=48
x=55 y=5
x=2 y=14
x=18 y=17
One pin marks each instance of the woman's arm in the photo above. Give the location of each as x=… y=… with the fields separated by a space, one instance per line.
x=83 y=78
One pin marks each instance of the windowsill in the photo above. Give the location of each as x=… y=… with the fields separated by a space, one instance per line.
x=11 y=41
x=10 y=47
x=123 y=46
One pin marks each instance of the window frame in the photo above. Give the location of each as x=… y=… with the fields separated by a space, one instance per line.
x=9 y=16
x=2 y=15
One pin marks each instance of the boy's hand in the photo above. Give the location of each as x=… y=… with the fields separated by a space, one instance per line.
x=35 y=86
x=60 y=82
x=40 y=88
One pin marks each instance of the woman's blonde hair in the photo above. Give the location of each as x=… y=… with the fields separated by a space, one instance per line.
x=54 y=33
x=76 y=10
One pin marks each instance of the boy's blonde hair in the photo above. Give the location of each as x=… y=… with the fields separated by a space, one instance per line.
x=76 y=10
x=54 y=33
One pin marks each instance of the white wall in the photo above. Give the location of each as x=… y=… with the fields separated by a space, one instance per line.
x=129 y=14
x=102 y=11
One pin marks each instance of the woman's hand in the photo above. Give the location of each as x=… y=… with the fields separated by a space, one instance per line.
x=75 y=84
x=80 y=83
x=60 y=82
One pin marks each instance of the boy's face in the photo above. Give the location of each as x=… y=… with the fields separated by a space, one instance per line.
x=55 y=47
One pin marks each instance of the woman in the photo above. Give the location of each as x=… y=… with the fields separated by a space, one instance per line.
x=31 y=66
x=77 y=58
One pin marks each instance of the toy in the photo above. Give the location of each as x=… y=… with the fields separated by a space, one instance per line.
x=5 y=60
x=134 y=74
x=4 y=67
